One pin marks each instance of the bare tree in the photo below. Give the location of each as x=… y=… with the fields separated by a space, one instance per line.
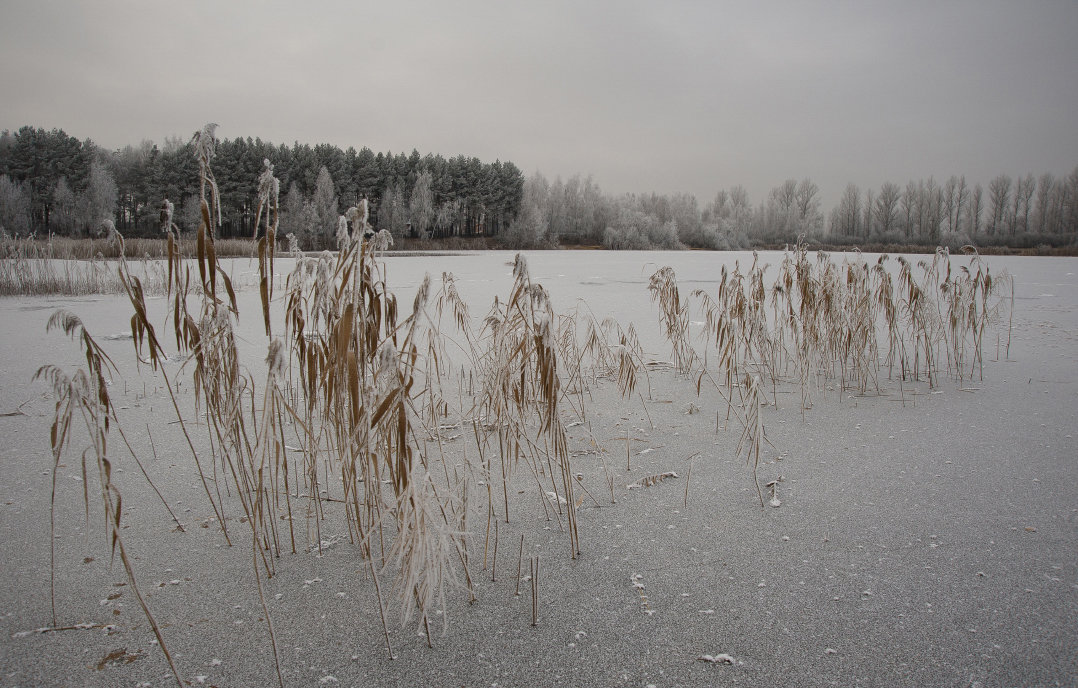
x=960 y=199
x=1023 y=196
x=950 y=192
x=932 y=213
x=1069 y=204
x=779 y=219
x=98 y=202
x=999 y=196
x=908 y=202
x=808 y=207
x=974 y=209
x=867 y=224
x=920 y=204
x=887 y=207
x=846 y=217
x=1042 y=214
x=784 y=197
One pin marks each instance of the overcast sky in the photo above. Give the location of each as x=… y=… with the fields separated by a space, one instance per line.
x=644 y=96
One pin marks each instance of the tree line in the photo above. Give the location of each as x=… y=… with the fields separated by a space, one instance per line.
x=1023 y=211
x=1020 y=212
x=51 y=182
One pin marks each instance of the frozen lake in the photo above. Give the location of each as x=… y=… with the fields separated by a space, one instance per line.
x=939 y=522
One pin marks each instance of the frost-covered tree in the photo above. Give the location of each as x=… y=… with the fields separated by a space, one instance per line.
x=97 y=203
x=584 y=210
x=685 y=214
x=445 y=219
x=324 y=202
x=575 y=215
x=930 y=210
x=724 y=223
x=635 y=229
x=908 y=206
x=1042 y=213
x=718 y=208
x=1054 y=198
x=974 y=208
x=846 y=217
x=738 y=222
x=528 y=230
x=292 y=215
x=809 y=216
x=421 y=204
x=868 y=226
x=1069 y=204
x=886 y=211
x=14 y=207
x=531 y=228
x=392 y=213
x=784 y=198
x=949 y=191
x=999 y=197
x=190 y=213
x=555 y=210
x=792 y=209
x=628 y=231
x=961 y=196
x=575 y=211
x=1023 y=198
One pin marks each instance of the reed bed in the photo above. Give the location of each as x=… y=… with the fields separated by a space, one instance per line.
x=417 y=430
x=77 y=267
x=844 y=324
x=57 y=247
